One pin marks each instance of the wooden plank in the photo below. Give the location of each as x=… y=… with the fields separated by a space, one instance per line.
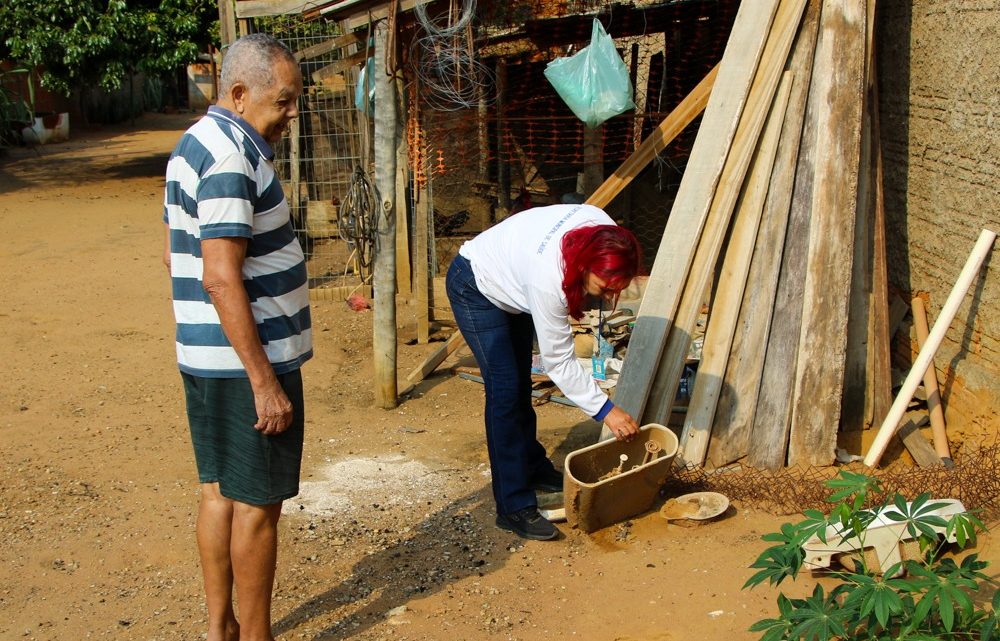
x=722 y=321
x=702 y=270
x=671 y=126
x=918 y=447
x=593 y=158
x=692 y=204
x=261 y=8
x=438 y=356
x=327 y=46
x=325 y=74
x=741 y=385
x=295 y=173
x=862 y=340
x=881 y=331
x=403 y=279
x=838 y=80
x=769 y=441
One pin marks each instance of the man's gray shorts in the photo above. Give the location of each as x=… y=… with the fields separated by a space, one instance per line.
x=248 y=466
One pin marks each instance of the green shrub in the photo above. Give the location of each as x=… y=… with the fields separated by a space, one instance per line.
x=931 y=599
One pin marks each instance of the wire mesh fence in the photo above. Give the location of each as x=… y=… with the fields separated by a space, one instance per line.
x=486 y=134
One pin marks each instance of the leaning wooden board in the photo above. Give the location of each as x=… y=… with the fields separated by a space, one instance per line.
x=762 y=90
x=694 y=198
x=838 y=78
x=722 y=322
x=738 y=401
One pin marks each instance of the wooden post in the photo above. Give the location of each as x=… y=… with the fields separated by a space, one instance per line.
x=403 y=284
x=384 y=270
x=923 y=360
x=227 y=24
x=931 y=384
x=421 y=258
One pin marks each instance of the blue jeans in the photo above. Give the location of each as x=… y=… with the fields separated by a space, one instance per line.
x=501 y=343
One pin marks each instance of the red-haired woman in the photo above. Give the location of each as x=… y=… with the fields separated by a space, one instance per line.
x=521 y=278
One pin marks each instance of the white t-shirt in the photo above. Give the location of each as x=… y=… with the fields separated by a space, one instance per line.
x=518 y=266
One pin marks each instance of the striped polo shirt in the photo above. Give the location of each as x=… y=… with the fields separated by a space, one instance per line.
x=221 y=184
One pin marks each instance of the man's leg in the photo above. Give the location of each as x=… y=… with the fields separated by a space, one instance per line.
x=255 y=553
x=214 y=529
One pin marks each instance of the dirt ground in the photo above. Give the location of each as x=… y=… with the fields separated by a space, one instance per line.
x=392 y=536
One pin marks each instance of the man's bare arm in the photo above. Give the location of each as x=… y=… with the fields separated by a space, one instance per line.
x=223 y=280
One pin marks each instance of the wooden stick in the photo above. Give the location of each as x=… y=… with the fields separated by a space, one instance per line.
x=923 y=360
x=931 y=384
x=675 y=122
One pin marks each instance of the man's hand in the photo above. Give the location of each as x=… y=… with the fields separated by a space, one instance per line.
x=274 y=410
x=621 y=424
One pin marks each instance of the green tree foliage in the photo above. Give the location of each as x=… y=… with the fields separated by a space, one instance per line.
x=100 y=41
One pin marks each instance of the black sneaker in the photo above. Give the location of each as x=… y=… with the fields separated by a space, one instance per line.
x=528 y=524
x=550 y=480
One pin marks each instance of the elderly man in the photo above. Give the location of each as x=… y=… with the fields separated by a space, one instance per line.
x=241 y=302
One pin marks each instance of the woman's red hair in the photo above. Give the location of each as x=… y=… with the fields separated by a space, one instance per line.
x=610 y=252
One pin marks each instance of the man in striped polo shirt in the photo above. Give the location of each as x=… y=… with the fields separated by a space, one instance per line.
x=241 y=301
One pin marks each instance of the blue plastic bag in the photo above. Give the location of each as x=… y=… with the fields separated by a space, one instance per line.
x=366 y=77
x=593 y=82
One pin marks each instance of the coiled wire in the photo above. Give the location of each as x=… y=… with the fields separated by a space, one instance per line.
x=357 y=219
x=449 y=75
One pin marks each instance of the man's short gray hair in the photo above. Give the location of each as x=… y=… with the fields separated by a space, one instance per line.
x=250 y=61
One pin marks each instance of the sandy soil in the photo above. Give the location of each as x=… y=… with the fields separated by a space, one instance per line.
x=392 y=536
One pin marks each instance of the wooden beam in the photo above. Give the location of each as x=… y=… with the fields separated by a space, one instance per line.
x=263 y=8
x=334 y=68
x=725 y=312
x=760 y=98
x=227 y=24
x=838 y=81
x=742 y=382
x=934 y=409
x=692 y=204
x=671 y=126
x=333 y=44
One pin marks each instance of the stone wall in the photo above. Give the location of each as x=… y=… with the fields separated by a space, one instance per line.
x=940 y=117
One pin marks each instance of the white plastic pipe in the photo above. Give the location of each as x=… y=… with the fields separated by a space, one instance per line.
x=923 y=360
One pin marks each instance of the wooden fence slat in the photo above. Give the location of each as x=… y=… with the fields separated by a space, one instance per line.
x=839 y=79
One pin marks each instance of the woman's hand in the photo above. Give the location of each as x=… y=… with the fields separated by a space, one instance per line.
x=621 y=424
